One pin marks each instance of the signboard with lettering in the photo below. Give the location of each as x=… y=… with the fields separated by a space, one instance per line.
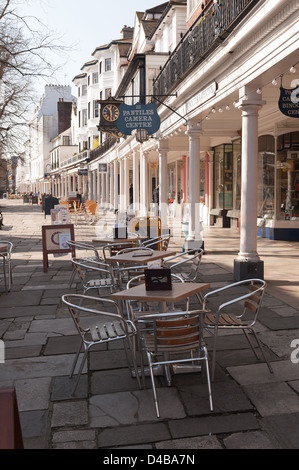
x=103 y=167
x=138 y=116
x=82 y=172
x=289 y=102
x=54 y=241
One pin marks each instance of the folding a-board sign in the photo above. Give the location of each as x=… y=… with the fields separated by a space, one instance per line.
x=10 y=430
x=54 y=239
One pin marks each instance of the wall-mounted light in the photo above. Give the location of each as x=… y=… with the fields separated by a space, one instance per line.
x=142 y=135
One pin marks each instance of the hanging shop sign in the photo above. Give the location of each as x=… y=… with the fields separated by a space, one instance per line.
x=103 y=167
x=82 y=172
x=289 y=102
x=109 y=114
x=138 y=116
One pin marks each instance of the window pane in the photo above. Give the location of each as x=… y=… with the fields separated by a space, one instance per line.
x=107 y=65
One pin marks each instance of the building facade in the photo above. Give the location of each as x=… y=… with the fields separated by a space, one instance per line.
x=225 y=153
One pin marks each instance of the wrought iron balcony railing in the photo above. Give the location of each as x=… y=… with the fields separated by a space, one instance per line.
x=103 y=148
x=206 y=34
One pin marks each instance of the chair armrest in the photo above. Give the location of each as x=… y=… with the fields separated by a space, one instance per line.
x=247 y=281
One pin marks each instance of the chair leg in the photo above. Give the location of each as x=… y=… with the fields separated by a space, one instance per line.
x=208 y=378
x=132 y=353
x=250 y=343
x=80 y=370
x=214 y=351
x=153 y=385
x=262 y=351
x=75 y=359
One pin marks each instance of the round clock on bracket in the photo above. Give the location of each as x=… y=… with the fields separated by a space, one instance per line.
x=110 y=112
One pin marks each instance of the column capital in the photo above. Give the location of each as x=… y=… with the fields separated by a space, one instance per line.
x=193 y=129
x=163 y=147
x=249 y=100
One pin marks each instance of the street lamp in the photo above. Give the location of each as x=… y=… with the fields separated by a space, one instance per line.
x=142 y=135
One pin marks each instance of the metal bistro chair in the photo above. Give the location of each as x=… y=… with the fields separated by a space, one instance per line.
x=100 y=326
x=173 y=333
x=111 y=249
x=94 y=275
x=186 y=265
x=5 y=253
x=86 y=247
x=221 y=317
x=124 y=272
x=159 y=243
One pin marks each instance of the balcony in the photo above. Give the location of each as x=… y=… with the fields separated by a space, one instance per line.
x=103 y=148
x=209 y=30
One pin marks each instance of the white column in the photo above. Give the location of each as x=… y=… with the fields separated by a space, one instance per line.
x=65 y=186
x=80 y=184
x=83 y=187
x=249 y=103
x=98 y=187
x=143 y=184
x=136 y=190
x=107 y=180
x=126 y=184
x=121 y=185
x=163 y=188
x=103 y=186
x=111 y=201
x=69 y=185
x=94 y=186
x=89 y=184
x=115 y=185
x=194 y=133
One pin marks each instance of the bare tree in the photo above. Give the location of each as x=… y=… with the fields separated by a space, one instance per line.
x=24 y=46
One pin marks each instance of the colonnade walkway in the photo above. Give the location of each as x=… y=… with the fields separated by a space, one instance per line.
x=253 y=408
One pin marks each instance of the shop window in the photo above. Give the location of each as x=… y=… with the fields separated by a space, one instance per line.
x=224 y=177
x=237 y=175
x=288 y=184
x=266 y=177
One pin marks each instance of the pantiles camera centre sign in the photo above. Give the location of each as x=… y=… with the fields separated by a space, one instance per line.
x=289 y=102
x=138 y=116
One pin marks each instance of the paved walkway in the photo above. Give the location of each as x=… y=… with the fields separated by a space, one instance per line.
x=253 y=408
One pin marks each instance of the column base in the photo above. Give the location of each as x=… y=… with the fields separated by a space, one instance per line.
x=248 y=270
x=194 y=245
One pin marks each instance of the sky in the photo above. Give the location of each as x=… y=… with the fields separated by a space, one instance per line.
x=81 y=27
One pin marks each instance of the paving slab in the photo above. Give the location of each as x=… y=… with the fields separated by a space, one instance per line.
x=213 y=424
x=13 y=299
x=124 y=408
x=35 y=423
x=73 y=413
x=33 y=394
x=228 y=397
x=196 y=443
x=273 y=398
x=19 y=311
x=57 y=326
x=137 y=434
x=249 y=440
x=49 y=366
x=285 y=428
x=259 y=373
x=62 y=388
x=81 y=439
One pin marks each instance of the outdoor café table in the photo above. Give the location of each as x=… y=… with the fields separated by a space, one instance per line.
x=136 y=257
x=179 y=291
